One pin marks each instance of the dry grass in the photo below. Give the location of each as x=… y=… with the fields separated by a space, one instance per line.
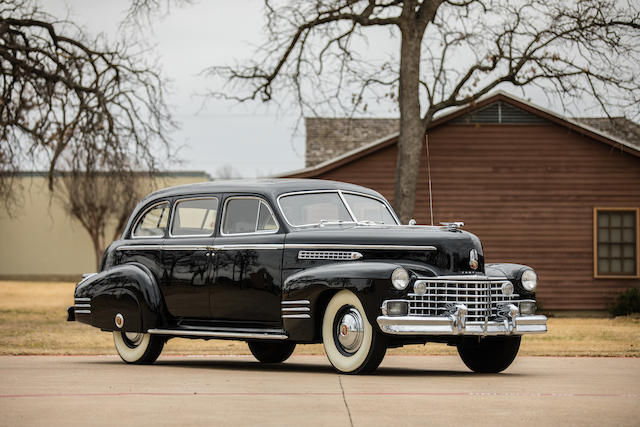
x=33 y=314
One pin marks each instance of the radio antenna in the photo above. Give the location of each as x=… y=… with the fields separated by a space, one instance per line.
x=426 y=143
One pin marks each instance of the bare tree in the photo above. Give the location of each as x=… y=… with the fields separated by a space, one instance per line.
x=101 y=202
x=63 y=93
x=451 y=52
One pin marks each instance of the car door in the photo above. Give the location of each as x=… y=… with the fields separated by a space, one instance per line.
x=188 y=256
x=249 y=248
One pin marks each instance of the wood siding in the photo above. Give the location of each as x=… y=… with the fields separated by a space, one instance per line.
x=528 y=191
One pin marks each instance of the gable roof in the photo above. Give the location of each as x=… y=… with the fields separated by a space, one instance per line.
x=618 y=132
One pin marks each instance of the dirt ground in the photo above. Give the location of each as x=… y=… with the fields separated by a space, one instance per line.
x=33 y=321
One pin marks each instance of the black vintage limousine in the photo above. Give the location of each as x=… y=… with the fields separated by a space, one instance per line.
x=286 y=261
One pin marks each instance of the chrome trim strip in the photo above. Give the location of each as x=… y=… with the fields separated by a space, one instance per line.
x=142 y=215
x=329 y=255
x=220 y=334
x=285 y=309
x=187 y=248
x=345 y=246
x=82 y=299
x=256 y=246
x=224 y=211
x=82 y=305
x=173 y=215
x=139 y=247
x=296 y=316
x=82 y=311
x=300 y=301
x=201 y=247
x=463 y=279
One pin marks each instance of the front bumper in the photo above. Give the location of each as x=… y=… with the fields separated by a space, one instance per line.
x=455 y=325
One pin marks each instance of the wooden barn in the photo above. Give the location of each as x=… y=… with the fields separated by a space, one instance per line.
x=561 y=195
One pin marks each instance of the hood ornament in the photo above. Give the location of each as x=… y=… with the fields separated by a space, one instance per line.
x=453 y=226
x=473 y=259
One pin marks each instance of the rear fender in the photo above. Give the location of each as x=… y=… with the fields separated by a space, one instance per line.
x=130 y=290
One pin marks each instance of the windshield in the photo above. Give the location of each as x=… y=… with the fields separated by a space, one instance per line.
x=309 y=209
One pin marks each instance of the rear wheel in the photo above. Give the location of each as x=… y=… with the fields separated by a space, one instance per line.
x=137 y=347
x=489 y=354
x=271 y=352
x=351 y=343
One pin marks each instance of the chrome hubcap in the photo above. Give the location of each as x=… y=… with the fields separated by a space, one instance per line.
x=350 y=331
x=134 y=338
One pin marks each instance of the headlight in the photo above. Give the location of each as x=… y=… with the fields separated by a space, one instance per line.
x=400 y=278
x=529 y=280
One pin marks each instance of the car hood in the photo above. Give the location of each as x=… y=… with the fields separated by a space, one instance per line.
x=451 y=254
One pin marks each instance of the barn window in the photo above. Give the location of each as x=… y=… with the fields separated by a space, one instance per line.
x=616 y=242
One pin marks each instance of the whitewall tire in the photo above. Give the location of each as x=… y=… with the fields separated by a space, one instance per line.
x=350 y=341
x=137 y=347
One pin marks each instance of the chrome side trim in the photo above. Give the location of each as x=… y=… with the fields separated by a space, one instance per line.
x=82 y=299
x=139 y=247
x=219 y=334
x=300 y=301
x=345 y=246
x=200 y=247
x=82 y=305
x=286 y=309
x=82 y=311
x=256 y=246
x=330 y=255
x=279 y=246
x=296 y=316
x=187 y=248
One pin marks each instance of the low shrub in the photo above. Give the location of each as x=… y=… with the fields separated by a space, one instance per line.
x=627 y=303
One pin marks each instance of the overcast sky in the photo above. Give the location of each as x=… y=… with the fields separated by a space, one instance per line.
x=254 y=139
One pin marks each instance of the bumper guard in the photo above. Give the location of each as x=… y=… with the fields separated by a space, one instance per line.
x=455 y=324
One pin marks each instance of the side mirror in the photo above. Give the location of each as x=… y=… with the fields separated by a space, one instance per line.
x=412 y=221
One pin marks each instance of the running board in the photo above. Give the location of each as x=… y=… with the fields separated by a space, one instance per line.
x=220 y=334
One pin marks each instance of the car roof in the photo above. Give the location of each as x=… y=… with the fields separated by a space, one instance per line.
x=270 y=187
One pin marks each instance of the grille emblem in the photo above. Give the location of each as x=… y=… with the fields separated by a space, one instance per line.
x=473 y=259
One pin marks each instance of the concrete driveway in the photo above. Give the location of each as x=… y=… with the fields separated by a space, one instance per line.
x=236 y=390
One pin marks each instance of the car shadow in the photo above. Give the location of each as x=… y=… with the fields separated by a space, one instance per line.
x=233 y=364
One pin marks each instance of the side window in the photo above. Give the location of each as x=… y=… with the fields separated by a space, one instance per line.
x=266 y=221
x=194 y=217
x=248 y=215
x=616 y=242
x=153 y=222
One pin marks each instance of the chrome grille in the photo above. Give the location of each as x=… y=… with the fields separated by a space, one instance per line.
x=483 y=298
x=330 y=255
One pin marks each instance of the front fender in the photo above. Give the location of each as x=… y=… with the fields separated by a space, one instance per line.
x=128 y=289
x=370 y=281
x=513 y=272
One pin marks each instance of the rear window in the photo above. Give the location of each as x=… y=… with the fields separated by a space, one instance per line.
x=153 y=223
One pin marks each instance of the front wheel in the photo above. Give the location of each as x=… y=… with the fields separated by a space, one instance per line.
x=137 y=347
x=490 y=354
x=271 y=352
x=352 y=345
